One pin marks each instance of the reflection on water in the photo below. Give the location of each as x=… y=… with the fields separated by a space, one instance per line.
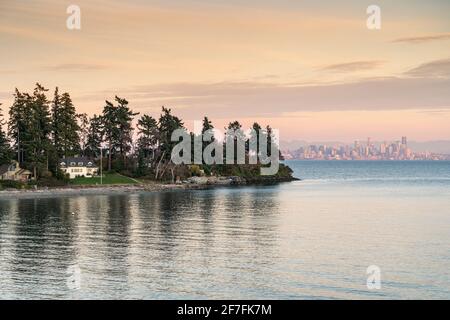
x=174 y=244
x=297 y=240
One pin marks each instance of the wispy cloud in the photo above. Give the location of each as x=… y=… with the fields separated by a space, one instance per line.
x=353 y=66
x=191 y=100
x=437 y=69
x=422 y=39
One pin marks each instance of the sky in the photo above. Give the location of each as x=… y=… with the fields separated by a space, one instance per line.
x=311 y=69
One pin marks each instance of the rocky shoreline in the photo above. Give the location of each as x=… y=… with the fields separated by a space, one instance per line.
x=193 y=183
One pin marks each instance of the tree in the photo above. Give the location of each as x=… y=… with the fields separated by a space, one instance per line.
x=20 y=117
x=206 y=126
x=110 y=129
x=84 y=124
x=124 y=118
x=40 y=128
x=94 y=137
x=30 y=126
x=270 y=140
x=70 y=138
x=167 y=123
x=65 y=128
x=235 y=125
x=5 y=149
x=148 y=136
x=56 y=123
x=235 y=128
x=255 y=136
x=118 y=130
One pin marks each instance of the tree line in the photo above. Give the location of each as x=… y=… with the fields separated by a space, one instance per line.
x=41 y=131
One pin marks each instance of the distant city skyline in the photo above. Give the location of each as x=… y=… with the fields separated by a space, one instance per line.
x=435 y=146
x=362 y=150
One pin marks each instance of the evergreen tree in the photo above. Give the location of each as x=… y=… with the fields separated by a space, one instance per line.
x=94 y=137
x=238 y=140
x=148 y=135
x=270 y=140
x=5 y=149
x=56 y=115
x=84 y=124
x=255 y=135
x=29 y=127
x=118 y=130
x=68 y=128
x=124 y=120
x=110 y=129
x=40 y=128
x=167 y=124
x=142 y=164
x=206 y=126
x=235 y=125
x=20 y=117
x=65 y=128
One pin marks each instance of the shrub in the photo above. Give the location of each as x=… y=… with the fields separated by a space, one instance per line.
x=46 y=174
x=195 y=170
x=207 y=169
x=11 y=184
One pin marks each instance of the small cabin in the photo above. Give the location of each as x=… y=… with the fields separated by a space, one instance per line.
x=78 y=167
x=14 y=172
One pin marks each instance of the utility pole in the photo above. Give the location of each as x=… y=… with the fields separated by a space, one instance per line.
x=101 y=164
x=18 y=142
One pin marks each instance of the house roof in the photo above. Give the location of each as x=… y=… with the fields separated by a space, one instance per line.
x=78 y=162
x=23 y=172
x=13 y=166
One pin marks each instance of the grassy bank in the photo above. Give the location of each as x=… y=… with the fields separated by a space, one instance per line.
x=108 y=179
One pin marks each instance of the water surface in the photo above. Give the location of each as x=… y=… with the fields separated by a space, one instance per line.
x=308 y=239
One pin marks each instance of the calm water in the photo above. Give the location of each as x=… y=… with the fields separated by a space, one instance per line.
x=308 y=239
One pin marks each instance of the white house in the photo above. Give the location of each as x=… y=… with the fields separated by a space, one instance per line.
x=13 y=171
x=78 y=167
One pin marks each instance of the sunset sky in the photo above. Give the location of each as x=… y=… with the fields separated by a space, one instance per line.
x=314 y=71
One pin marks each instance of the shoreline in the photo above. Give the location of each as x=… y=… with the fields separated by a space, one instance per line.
x=88 y=190
x=120 y=189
